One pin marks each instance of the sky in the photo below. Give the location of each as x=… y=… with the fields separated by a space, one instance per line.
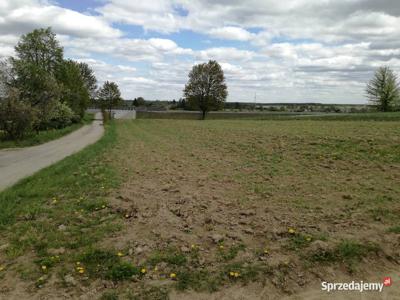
x=321 y=51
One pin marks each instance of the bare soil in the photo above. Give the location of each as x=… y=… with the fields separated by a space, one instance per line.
x=284 y=204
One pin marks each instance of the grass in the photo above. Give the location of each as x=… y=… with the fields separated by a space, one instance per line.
x=394 y=229
x=347 y=251
x=231 y=252
x=169 y=256
x=109 y=295
x=77 y=183
x=45 y=135
x=49 y=211
x=298 y=241
x=105 y=264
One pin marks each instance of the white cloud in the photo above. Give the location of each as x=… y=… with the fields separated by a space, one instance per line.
x=158 y=15
x=231 y=33
x=225 y=54
x=310 y=50
x=153 y=49
x=23 y=16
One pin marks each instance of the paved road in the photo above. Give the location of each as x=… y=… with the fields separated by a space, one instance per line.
x=118 y=113
x=16 y=164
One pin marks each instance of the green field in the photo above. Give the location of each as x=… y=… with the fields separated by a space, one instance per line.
x=160 y=206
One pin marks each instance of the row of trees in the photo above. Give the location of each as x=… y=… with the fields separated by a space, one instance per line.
x=41 y=90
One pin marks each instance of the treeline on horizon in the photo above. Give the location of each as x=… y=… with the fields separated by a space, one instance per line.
x=162 y=105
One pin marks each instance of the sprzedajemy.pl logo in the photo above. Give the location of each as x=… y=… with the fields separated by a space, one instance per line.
x=360 y=286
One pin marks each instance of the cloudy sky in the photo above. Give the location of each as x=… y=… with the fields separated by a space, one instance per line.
x=283 y=51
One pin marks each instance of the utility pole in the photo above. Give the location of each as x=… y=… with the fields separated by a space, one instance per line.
x=255 y=100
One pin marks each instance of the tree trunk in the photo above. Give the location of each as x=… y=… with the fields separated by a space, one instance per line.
x=203 y=117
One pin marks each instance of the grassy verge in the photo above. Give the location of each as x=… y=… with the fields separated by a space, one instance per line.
x=52 y=215
x=45 y=136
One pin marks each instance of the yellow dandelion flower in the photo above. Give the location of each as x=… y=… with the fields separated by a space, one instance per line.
x=81 y=271
x=103 y=206
x=308 y=239
x=143 y=271
x=193 y=246
x=291 y=230
x=156 y=269
x=236 y=274
x=127 y=216
x=2 y=268
x=78 y=263
x=221 y=247
x=232 y=274
x=120 y=254
x=172 y=275
x=44 y=268
x=266 y=251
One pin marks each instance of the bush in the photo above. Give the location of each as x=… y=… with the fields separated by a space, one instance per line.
x=61 y=116
x=16 y=117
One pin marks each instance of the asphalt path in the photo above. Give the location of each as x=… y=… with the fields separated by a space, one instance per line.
x=17 y=163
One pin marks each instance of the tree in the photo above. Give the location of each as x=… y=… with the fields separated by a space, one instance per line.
x=181 y=103
x=57 y=90
x=89 y=79
x=17 y=118
x=39 y=56
x=206 y=89
x=5 y=78
x=109 y=96
x=139 y=101
x=75 y=91
x=383 y=90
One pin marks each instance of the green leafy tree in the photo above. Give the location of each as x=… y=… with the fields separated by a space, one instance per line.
x=139 y=101
x=89 y=79
x=17 y=118
x=383 y=90
x=75 y=91
x=39 y=55
x=38 y=58
x=206 y=89
x=5 y=77
x=109 y=96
